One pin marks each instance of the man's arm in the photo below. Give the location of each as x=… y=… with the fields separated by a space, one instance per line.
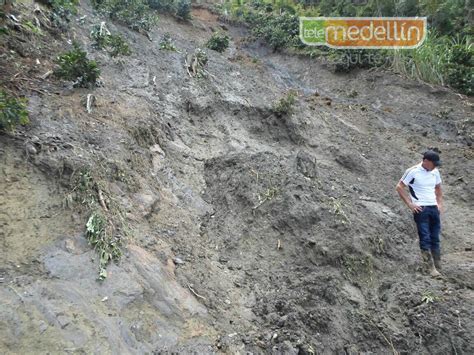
x=405 y=198
x=439 y=197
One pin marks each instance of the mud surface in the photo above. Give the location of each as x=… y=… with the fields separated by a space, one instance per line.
x=251 y=231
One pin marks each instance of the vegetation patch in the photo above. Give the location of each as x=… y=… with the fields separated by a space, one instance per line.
x=136 y=14
x=13 y=111
x=75 y=66
x=62 y=11
x=338 y=210
x=183 y=9
x=100 y=234
x=114 y=44
x=178 y=8
x=357 y=268
x=105 y=228
x=445 y=58
x=285 y=106
x=166 y=43
x=218 y=42
x=196 y=63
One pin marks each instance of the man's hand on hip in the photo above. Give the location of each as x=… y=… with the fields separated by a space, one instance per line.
x=415 y=208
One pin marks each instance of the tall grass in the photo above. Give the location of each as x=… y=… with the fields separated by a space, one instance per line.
x=425 y=63
x=439 y=60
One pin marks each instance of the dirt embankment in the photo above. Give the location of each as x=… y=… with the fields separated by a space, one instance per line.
x=249 y=231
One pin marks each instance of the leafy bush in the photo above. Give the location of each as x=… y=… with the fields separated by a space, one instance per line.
x=163 y=5
x=279 y=31
x=75 y=66
x=460 y=68
x=136 y=14
x=183 y=9
x=218 y=42
x=64 y=8
x=12 y=112
x=114 y=44
x=166 y=43
x=285 y=106
x=178 y=8
x=62 y=11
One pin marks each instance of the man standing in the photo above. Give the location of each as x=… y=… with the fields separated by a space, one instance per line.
x=426 y=202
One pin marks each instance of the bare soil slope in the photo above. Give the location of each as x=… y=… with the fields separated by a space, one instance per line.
x=250 y=231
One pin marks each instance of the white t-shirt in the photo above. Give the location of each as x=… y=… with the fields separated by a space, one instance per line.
x=421 y=183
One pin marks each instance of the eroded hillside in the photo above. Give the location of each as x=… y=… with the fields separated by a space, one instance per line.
x=243 y=229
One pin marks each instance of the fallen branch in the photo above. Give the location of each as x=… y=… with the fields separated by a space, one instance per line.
x=195 y=293
x=90 y=102
x=102 y=200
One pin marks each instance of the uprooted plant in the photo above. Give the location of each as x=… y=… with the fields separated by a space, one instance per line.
x=196 y=62
x=105 y=228
x=101 y=235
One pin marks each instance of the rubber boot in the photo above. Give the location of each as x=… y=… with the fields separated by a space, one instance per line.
x=436 y=259
x=428 y=264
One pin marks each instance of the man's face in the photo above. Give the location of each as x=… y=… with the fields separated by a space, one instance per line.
x=428 y=164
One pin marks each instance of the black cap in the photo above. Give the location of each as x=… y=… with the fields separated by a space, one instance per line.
x=432 y=156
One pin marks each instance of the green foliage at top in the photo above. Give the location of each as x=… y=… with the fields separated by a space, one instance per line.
x=136 y=14
x=183 y=9
x=64 y=8
x=62 y=11
x=167 y=6
x=444 y=59
x=218 y=42
x=178 y=8
x=114 y=44
x=460 y=67
x=441 y=60
x=75 y=66
x=12 y=112
x=278 y=31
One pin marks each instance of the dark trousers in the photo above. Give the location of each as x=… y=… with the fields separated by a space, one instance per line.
x=429 y=225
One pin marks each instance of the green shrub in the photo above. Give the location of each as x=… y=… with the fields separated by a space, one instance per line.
x=75 y=66
x=136 y=14
x=285 y=106
x=114 y=44
x=62 y=11
x=440 y=60
x=168 y=6
x=12 y=112
x=218 y=42
x=64 y=8
x=166 y=43
x=183 y=9
x=460 y=68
